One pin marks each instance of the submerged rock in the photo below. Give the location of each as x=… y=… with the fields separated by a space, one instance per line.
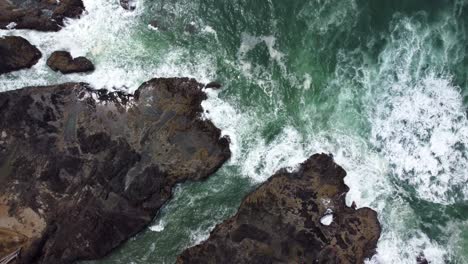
x=43 y=15
x=82 y=170
x=63 y=61
x=17 y=53
x=280 y=222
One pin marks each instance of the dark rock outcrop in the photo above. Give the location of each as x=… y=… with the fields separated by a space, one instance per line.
x=43 y=15
x=17 y=53
x=128 y=4
x=63 y=61
x=282 y=222
x=82 y=170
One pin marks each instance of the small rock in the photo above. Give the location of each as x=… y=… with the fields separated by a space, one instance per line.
x=128 y=4
x=4 y=134
x=213 y=85
x=62 y=61
x=17 y=53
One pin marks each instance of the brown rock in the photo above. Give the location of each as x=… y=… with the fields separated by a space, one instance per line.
x=17 y=53
x=62 y=61
x=280 y=222
x=93 y=168
x=43 y=15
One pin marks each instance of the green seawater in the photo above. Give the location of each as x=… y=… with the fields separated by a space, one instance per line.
x=383 y=85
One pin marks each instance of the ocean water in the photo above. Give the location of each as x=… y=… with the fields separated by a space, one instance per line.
x=383 y=85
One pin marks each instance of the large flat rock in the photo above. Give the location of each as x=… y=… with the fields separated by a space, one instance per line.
x=81 y=170
x=43 y=15
x=297 y=217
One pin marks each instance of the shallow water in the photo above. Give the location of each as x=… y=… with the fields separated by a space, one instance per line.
x=380 y=84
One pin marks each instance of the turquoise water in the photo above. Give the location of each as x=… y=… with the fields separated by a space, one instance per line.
x=380 y=84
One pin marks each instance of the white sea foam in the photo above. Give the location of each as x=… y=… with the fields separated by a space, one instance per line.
x=258 y=73
x=158 y=227
x=424 y=133
x=199 y=235
x=419 y=127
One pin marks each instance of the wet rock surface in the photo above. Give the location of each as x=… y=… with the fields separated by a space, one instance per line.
x=280 y=222
x=82 y=170
x=63 y=61
x=43 y=15
x=17 y=53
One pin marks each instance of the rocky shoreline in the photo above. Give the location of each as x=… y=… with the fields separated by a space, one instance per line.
x=42 y=15
x=84 y=170
x=297 y=217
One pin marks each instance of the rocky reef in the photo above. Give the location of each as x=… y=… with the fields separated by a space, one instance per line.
x=82 y=170
x=43 y=15
x=17 y=53
x=297 y=217
x=63 y=61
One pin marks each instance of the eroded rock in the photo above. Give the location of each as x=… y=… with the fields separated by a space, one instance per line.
x=280 y=222
x=43 y=15
x=17 y=53
x=63 y=61
x=95 y=167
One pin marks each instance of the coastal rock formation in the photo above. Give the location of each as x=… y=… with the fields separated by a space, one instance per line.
x=297 y=217
x=43 y=15
x=17 y=53
x=82 y=170
x=63 y=61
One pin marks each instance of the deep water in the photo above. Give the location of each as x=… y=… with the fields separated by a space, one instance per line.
x=383 y=85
